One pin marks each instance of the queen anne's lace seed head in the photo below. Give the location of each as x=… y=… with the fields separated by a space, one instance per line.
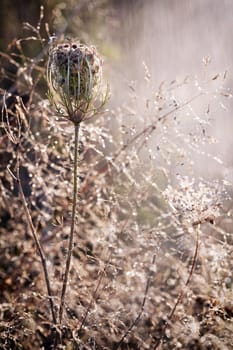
x=74 y=75
x=196 y=203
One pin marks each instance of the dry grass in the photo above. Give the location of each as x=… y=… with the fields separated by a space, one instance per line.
x=136 y=250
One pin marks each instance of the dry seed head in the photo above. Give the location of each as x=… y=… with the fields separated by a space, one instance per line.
x=74 y=75
x=197 y=203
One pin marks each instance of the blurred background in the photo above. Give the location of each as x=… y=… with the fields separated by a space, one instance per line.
x=172 y=37
x=169 y=67
x=170 y=41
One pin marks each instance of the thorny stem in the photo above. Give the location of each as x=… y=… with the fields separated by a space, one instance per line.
x=71 y=238
x=181 y=295
x=37 y=242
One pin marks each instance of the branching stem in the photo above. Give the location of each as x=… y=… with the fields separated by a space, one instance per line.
x=94 y=296
x=181 y=295
x=37 y=242
x=137 y=319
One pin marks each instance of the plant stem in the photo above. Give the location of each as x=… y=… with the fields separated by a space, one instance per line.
x=181 y=295
x=37 y=242
x=137 y=319
x=94 y=296
x=71 y=238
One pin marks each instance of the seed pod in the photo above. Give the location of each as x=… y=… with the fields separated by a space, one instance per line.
x=74 y=73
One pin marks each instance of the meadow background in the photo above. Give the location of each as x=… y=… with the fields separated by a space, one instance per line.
x=152 y=264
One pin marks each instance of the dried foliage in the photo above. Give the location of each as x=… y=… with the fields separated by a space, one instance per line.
x=153 y=250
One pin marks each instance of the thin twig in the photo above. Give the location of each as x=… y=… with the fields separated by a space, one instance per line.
x=94 y=296
x=72 y=228
x=146 y=131
x=37 y=242
x=151 y=127
x=135 y=322
x=181 y=295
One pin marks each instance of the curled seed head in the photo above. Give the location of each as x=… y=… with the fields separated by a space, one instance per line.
x=74 y=75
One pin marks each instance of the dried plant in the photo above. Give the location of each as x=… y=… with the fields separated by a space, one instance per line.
x=149 y=264
x=74 y=75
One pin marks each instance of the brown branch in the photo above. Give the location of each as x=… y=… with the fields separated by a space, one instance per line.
x=37 y=242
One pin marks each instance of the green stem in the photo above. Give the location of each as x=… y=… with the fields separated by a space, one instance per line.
x=71 y=238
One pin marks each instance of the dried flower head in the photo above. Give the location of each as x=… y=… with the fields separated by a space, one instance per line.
x=74 y=75
x=196 y=203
